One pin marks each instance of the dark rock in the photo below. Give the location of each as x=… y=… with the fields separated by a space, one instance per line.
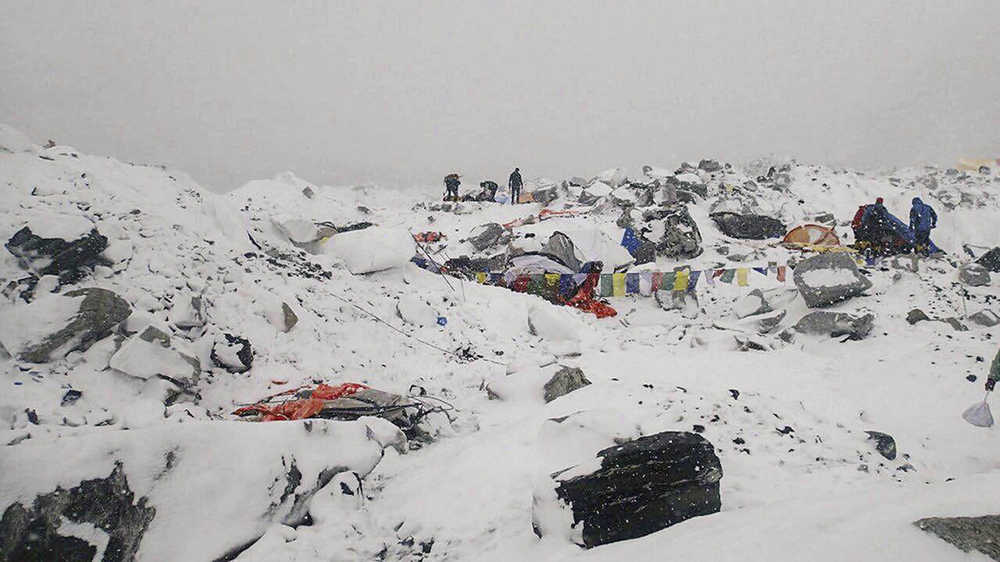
x=954 y=323
x=985 y=318
x=233 y=354
x=100 y=310
x=71 y=396
x=308 y=192
x=587 y=198
x=884 y=444
x=710 y=165
x=967 y=533
x=974 y=275
x=566 y=380
x=645 y=253
x=681 y=238
x=835 y=324
x=546 y=195
x=991 y=260
x=916 y=315
x=751 y=304
x=642 y=487
x=821 y=292
x=768 y=323
x=289 y=317
x=69 y=260
x=487 y=236
x=752 y=227
x=33 y=532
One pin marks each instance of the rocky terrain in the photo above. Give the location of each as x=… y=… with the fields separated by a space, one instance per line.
x=769 y=402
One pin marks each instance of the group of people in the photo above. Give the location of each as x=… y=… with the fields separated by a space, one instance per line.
x=878 y=231
x=489 y=188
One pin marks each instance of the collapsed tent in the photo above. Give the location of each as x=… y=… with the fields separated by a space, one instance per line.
x=811 y=235
x=561 y=246
x=347 y=401
x=880 y=231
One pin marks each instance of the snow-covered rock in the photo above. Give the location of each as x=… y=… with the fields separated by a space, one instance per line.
x=637 y=488
x=372 y=249
x=829 y=278
x=148 y=354
x=191 y=491
x=54 y=325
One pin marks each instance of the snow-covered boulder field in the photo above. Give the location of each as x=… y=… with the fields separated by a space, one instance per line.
x=280 y=373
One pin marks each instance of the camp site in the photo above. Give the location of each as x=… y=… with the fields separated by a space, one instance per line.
x=499 y=282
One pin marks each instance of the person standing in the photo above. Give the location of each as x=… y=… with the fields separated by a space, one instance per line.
x=515 y=183
x=922 y=220
x=451 y=184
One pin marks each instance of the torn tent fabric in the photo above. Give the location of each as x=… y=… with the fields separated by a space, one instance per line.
x=305 y=407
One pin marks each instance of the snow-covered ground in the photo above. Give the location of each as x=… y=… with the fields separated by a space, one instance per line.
x=788 y=422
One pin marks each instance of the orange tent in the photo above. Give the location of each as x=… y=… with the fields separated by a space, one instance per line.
x=811 y=235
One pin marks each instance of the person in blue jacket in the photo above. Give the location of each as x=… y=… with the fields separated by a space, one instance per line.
x=922 y=220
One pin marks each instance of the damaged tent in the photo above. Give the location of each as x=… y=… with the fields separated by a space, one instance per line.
x=811 y=236
x=882 y=232
x=347 y=401
x=561 y=246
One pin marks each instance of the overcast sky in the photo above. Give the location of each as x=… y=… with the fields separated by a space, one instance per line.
x=405 y=92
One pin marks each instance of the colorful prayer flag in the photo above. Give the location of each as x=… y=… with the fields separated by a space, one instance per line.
x=681 y=280
x=646 y=283
x=727 y=275
x=781 y=273
x=618 y=283
x=741 y=276
x=632 y=283
x=481 y=278
x=606 y=286
x=693 y=281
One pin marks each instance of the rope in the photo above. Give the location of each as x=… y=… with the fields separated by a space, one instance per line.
x=411 y=336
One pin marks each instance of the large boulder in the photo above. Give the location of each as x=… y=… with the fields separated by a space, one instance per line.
x=674 y=231
x=991 y=260
x=485 y=236
x=148 y=354
x=640 y=487
x=709 y=165
x=829 y=278
x=566 y=380
x=232 y=353
x=835 y=324
x=966 y=533
x=974 y=275
x=986 y=318
x=748 y=226
x=49 y=253
x=372 y=249
x=191 y=491
x=751 y=304
x=546 y=195
x=51 y=327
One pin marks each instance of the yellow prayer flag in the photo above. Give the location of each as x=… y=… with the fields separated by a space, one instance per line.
x=681 y=280
x=481 y=278
x=618 y=284
x=551 y=279
x=741 y=277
